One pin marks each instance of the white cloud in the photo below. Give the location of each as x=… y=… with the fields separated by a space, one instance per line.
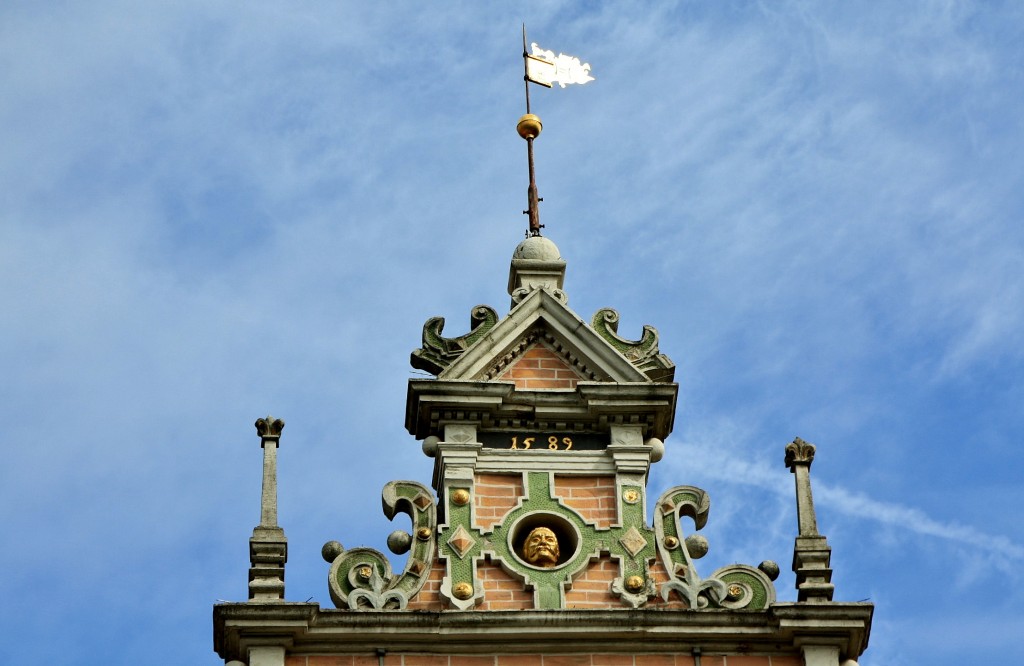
x=212 y=212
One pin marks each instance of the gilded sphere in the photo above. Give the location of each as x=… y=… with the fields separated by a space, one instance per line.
x=634 y=583
x=463 y=591
x=529 y=126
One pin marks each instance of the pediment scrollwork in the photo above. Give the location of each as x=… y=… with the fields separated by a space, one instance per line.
x=438 y=352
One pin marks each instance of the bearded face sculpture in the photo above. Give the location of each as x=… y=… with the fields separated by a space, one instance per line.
x=541 y=548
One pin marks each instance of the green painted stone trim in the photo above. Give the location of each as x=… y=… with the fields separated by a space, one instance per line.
x=548 y=585
x=713 y=592
x=461 y=569
x=438 y=352
x=382 y=589
x=642 y=353
x=760 y=589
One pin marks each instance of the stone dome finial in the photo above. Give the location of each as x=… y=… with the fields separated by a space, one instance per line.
x=536 y=264
x=538 y=248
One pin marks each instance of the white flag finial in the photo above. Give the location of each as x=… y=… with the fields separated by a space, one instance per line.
x=545 y=68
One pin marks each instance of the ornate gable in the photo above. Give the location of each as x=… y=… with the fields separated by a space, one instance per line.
x=540 y=315
x=542 y=427
x=493 y=377
x=543 y=318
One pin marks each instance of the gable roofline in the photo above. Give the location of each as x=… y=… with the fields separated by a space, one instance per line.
x=584 y=347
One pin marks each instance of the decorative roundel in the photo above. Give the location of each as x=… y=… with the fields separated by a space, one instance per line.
x=543 y=540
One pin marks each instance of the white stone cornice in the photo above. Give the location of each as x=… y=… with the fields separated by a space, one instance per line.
x=781 y=629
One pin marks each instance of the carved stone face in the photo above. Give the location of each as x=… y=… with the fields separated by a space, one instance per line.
x=541 y=548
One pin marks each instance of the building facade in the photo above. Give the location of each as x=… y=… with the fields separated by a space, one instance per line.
x=532 y=547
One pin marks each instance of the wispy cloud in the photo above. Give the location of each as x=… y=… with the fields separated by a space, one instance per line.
x=210 y=214
x=731 y=465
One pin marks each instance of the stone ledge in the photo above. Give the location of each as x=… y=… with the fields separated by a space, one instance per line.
x=307 y=629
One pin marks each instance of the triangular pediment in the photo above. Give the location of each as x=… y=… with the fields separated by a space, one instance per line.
x=541 y=366
x=543 y=323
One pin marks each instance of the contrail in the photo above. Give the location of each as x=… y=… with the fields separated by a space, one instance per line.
x=727 y=467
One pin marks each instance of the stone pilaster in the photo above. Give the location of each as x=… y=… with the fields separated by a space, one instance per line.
x=811 y=552
x=268 y=547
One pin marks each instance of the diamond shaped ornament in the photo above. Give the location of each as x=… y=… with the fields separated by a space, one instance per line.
x=461 y=541
x=633 y=541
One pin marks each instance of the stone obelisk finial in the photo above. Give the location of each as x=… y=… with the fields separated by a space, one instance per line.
x=268 y=548
x=811 y=552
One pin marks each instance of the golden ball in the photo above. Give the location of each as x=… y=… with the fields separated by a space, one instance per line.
x=529 y=126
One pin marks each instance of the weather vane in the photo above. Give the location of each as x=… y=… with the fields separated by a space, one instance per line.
x=543 y=68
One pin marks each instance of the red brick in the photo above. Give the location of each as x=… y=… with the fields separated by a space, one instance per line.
x=588 y=585
x=531 y=373
x=488 y=501
x=519 y=660
x=547 y=384
x=612 y=660
x=655 y=660
x=464 y=660
x=425 y=660
x=567 y=660
x=537 y=367
x=507 y=605
x=746 y=660
x=371 y=660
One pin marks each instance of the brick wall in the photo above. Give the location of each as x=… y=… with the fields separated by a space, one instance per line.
x=429 y=597
x=494 y=496
x=501 y=591
x=592 y=589
x=411 y=659
x=660 y=576
x=541 y=368
x=592 y=496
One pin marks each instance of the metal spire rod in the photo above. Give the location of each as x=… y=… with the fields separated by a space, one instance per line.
x=526 y=70
x=529 y=128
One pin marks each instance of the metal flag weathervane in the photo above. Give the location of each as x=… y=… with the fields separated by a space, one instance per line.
x=543 y=68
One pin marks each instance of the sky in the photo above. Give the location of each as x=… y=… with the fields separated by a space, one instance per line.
x=216 y=211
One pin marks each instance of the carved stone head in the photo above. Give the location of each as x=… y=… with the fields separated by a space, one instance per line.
x=541 y=548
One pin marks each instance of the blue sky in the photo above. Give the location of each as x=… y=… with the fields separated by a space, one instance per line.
x=216 y=211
